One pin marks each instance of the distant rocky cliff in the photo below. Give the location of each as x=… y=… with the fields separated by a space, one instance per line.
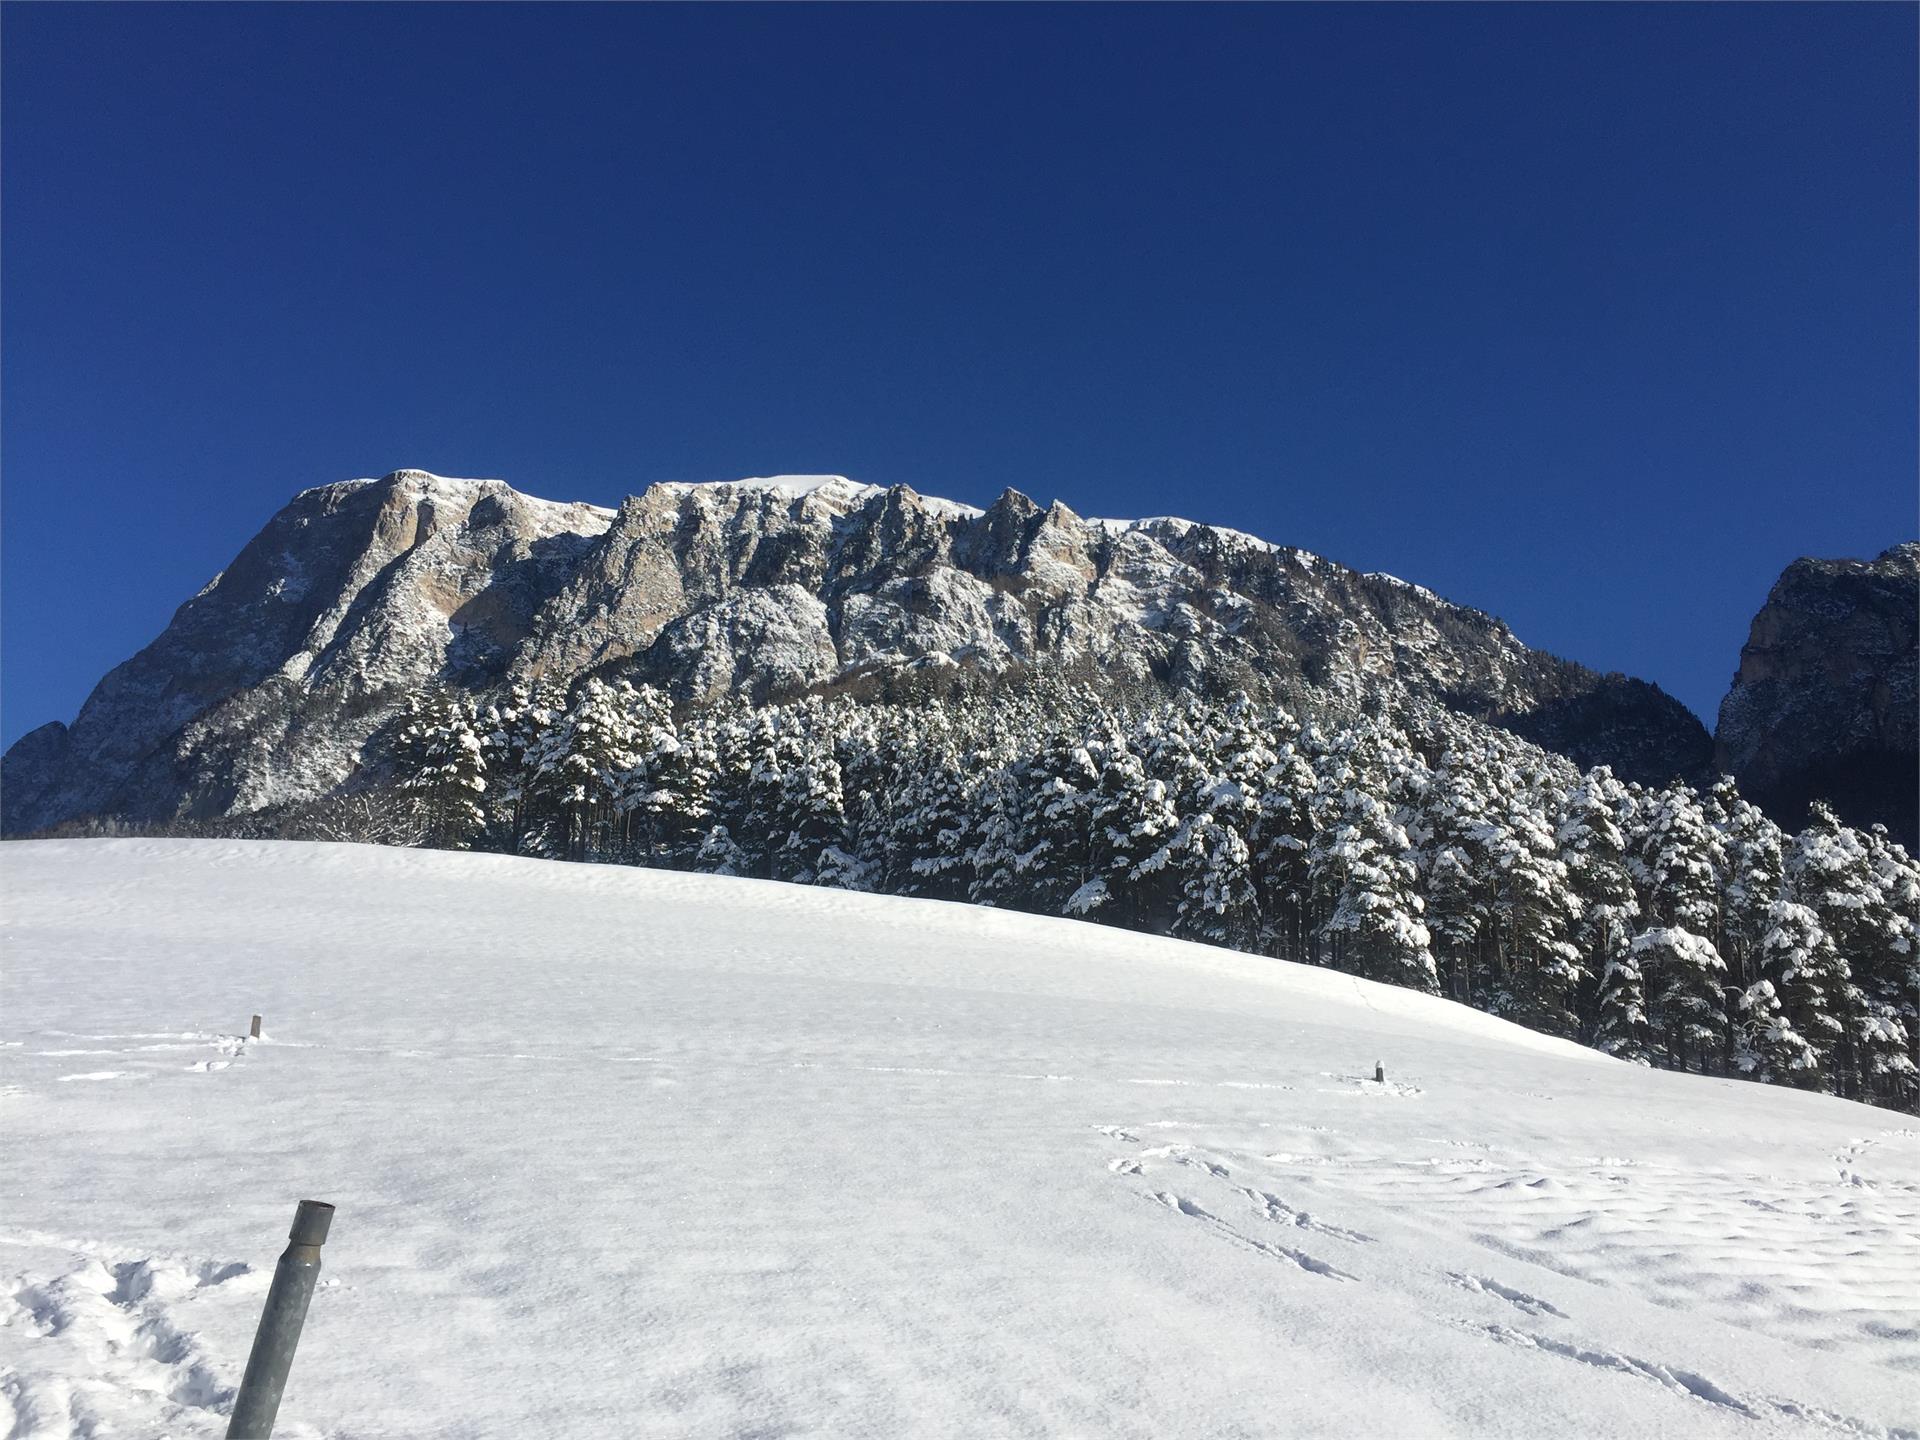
x=1824 y=703
x=268 y=682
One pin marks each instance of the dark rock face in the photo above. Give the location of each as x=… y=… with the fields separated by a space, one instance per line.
x=267 y=683
x=1823 y=704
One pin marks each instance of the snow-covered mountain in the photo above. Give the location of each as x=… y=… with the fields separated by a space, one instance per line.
x=267 y=682
x=637 y=1153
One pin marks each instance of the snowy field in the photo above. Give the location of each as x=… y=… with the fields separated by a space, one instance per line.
x=620 y=1153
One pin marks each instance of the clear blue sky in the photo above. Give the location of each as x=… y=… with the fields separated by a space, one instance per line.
x=1592 y=317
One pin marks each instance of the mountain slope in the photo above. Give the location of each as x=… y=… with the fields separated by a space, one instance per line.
x=1826 y=703
x=628 y=1152
x=269 y=681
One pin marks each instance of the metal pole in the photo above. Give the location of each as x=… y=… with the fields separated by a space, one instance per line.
x=273 y=1344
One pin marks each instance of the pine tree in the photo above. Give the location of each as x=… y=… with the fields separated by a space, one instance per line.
x=1038 y=851
x=645 y=799
x=925 y=845
x=1219 y=900
x=1137 y=837
x=1680 y=857
x=675 y=806
x=762 y=755
x=718 y=854
x=1798 y=960
x=1754 y=871
x=1594 y=851
x=1538 y=912
x=443 y=760
x=1455 y=833
x=515 y=733
x=1830 y=871
x=1765 y=1044
x=1620 y=1024
x=583 y=767
x=1685 y=982
x=1359 y=862
x=1280 y=846
x=1889 y=970
x=811 y=816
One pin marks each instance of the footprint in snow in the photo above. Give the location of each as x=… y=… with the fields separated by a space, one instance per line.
x=118 y=1324
x=1300 y=1259
x=1691 y=1385
x=1519 y=1299
x=1183 y=1155
x=1367 y=1085
x=1281 y=1213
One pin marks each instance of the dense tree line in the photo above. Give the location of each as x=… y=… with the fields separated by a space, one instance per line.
x=1666 y=926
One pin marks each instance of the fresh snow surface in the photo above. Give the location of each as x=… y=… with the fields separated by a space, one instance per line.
x=630 y=1153
x=457 y=488
x=782 y=484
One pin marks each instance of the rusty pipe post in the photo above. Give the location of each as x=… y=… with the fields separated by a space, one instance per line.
x=258 y=1402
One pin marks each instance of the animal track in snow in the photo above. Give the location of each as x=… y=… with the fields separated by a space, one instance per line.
x=1848 y=1158
x=1183 y=1155
x=1683 y=1382
x=1798 y=1256
x=1281 y=1213
x=1696 y=1386
x=1519 y=1299
x=1180 y=1205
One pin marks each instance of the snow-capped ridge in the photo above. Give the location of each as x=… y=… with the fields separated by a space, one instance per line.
x=779 y=484
x=459 y=488
x=358 y=593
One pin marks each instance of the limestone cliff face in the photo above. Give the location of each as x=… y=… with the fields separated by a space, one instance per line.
x=267 y=683
x=1823 y=704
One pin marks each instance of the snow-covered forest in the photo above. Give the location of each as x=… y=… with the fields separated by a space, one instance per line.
x=1667 y=927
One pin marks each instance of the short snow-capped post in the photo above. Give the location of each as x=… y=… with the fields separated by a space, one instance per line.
x=258 y=1403
x=253 y=1030
x=1379 y=1073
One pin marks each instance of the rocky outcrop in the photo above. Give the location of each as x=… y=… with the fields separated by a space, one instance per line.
x=267 y=683
x=1824 y=702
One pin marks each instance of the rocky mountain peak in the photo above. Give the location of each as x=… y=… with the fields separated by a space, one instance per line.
x=1824 y=702
x=268 y=683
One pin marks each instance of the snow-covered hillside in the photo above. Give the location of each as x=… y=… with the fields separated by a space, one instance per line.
x=629 y=1153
